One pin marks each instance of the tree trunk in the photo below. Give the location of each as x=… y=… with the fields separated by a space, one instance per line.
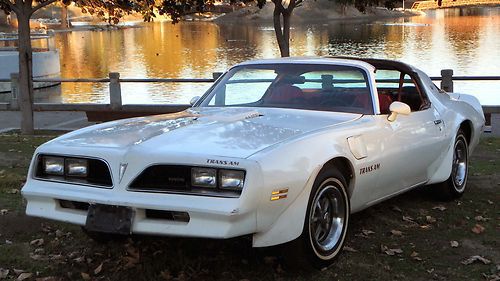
x=64 y=16
x=286 y=32
x=282 y=34
x=25 y=74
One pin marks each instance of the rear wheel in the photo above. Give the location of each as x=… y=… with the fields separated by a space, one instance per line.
x=327 y=217
x=454 y=186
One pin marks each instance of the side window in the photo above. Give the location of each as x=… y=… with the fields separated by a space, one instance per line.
x=393 y=85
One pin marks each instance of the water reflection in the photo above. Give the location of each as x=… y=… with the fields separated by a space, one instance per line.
x=466 y=40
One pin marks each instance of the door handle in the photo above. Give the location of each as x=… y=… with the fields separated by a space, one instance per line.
x=437 y=122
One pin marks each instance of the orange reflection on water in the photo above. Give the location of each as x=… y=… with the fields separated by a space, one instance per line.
x=466 y=40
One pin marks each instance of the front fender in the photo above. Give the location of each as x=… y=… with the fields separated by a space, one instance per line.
x=289 y=225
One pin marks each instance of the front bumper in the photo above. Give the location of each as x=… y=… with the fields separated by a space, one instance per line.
x=210 y=217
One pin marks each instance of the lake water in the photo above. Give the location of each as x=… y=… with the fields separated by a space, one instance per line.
x=465 y=40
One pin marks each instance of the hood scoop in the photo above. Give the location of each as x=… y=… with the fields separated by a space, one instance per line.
x=232 y=117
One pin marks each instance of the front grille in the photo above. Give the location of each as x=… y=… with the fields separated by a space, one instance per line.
x=164 y=177
x=175 y=179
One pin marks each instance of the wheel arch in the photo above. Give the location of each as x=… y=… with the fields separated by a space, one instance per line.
x=345 y=167
x=443 y=171
x=467 y=127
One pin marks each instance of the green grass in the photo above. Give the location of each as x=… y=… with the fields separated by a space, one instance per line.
x=67 y=252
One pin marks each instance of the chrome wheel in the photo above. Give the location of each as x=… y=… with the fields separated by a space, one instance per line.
x=328 y=217
x=459 y=168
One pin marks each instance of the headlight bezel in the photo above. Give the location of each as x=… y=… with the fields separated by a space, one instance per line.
x=219 y=173
x=98 y=174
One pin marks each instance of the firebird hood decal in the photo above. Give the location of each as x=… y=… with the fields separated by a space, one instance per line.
x=231 y=132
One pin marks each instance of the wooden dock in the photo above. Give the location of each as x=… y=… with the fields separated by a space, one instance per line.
x=431 y=4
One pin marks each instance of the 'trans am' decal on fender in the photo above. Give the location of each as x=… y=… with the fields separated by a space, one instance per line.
x=369 y=169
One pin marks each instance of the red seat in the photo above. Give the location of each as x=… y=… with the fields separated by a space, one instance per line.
x=383 y=100
x=285 y=94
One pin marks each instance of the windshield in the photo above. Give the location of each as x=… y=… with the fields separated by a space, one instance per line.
x=299 y=86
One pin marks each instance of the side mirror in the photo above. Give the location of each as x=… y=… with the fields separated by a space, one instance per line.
x=398 y=108
x=194 y=100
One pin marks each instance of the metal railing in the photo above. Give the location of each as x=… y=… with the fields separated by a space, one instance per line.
x=117 y=108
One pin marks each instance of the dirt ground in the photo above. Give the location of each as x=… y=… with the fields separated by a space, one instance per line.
x=409 y=237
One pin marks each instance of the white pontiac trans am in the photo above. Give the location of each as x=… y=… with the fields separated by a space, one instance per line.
x=282 y=149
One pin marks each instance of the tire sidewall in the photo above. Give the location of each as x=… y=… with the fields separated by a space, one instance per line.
x=458 y=191
x=324 y=178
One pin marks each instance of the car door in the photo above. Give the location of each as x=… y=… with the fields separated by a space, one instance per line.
x=410 y=144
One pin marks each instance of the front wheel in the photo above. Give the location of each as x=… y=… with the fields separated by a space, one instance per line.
x=454 y=186
x=326 y=221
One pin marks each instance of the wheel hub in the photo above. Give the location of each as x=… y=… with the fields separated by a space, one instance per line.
x=328 y=217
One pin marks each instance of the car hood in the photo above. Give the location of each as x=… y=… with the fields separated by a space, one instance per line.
x=230 y=131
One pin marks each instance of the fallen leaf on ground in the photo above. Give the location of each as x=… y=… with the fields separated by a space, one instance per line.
x=3 y=212
x=454 y=244
x=425 y=226
x=397 y=209
x=98 y=269
x=490 y=202
x=390 y=252
x=349 y=249
x=367 y=232
x=439 y=207
x=85 y=276
x=480 y=218
x=396 y=232
x=478 y=229
x=48 y=278
x=37 y=242
x=408 y=219
x=491 y=277
x=36 y=257
x=474 y=259
x=430 y=219
x=13 y=191
x=3 y=273
x=166 y=275
x=56 y=257
x=24 y=276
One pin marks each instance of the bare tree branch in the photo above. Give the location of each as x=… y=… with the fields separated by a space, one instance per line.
x=10 y=5
x=41 y=5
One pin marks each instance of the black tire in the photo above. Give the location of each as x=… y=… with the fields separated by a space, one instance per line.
x=104 y=238
x=454 y=187
x=326 y=222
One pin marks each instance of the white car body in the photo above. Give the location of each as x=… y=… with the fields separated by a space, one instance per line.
x=281 y=151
